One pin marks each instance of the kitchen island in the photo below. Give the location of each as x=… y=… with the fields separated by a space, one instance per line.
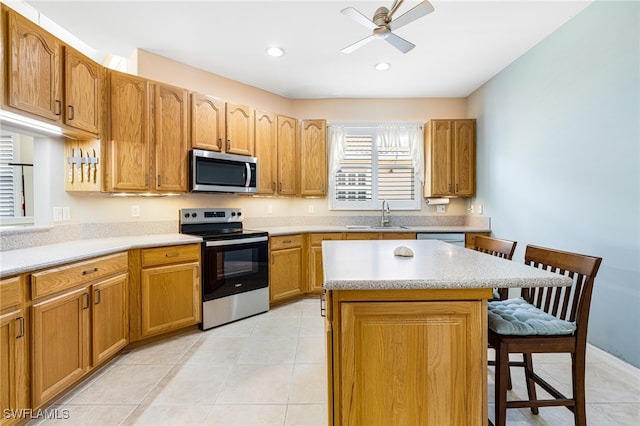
x=407 y=336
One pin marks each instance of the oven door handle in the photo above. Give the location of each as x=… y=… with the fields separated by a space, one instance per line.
x=236 y=242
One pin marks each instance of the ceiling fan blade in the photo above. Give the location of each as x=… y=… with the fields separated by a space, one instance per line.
x=399 y=43
x=359 y=17
x=411 y=15
x=357 y=44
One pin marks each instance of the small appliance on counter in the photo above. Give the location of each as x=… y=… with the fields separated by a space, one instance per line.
x=235 y=267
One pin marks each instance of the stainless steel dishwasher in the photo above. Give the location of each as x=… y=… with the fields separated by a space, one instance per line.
x=456 y=238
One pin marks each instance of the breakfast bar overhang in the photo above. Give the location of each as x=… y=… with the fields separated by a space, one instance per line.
x=407 y=335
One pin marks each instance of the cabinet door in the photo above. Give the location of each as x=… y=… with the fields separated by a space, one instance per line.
x=34 y=71
x=207 y=122
x=265 y=143
x=239 y=130
x=83 y=91
x=313 y=158
x=362 y=236
x=110 y=319
x=12 y=363
x=171 y=140
x=129 y=150
x=170 y=297
x=464 y=158
x=426 y=366
x=286 y=273
x=60 y=349
x=316 y=274
x=287 y=155
x=440 y=154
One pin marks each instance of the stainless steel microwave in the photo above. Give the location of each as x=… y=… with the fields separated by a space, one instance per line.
x=211 y=171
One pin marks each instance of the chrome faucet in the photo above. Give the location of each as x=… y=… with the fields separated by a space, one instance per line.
x=386 y=211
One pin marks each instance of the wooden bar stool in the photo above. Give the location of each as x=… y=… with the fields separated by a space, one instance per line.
x=544 y=320
x=496 y=247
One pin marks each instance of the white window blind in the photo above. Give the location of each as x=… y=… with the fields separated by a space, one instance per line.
x=367 y=168
x=354 y=179
x=7 y=178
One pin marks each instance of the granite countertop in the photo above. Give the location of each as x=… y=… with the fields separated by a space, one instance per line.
x=371 y=265
x=301 y=229
x=13 y=262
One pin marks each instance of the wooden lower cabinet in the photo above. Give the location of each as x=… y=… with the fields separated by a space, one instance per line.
x=316 y=275
x=109 y=318
x=285 y=269
x=60 y=343
x=170 y=296
x=13 y=352
x=77 y=323
x=398 y=357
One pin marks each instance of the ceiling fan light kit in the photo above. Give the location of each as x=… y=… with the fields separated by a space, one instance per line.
x=383 y=24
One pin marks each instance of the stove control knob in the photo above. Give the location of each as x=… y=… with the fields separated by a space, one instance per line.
x=186 y=215
x=194 y=214
x=233 y=214
x=239 y=214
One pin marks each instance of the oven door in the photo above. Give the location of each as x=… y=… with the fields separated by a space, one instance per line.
x=234 y=266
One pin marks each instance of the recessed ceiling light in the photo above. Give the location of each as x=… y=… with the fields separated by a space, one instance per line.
x=383 y=66
x=275 y=51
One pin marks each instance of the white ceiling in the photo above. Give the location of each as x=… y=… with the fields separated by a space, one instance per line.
x=459 y=46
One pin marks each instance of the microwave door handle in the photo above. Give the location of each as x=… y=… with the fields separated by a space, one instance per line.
x=248 y=174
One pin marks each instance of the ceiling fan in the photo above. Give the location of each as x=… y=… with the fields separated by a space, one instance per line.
x=383 y=24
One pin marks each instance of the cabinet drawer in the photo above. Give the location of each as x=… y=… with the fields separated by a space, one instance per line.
x=170 y=254
x=286 y=241
x=54 y=280
x=9 y=292
x=317 y=239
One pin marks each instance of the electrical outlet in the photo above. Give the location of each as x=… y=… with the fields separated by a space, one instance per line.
x=135 y=211
x=269 y=209
x=310 y=209
x=57 y=214
x=441 y=208
x=66 y=213
x=480 y=209
x=471 y=209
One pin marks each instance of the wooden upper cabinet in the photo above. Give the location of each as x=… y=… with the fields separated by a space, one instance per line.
x=450 y=158
x=313 y=158
x=207 y=122
x=171 y=140
x=464 y=157
x=239 y=129
x=127 y=163
x=34 y=69
x=265 y=151
x=83 y=91
x=287 y=155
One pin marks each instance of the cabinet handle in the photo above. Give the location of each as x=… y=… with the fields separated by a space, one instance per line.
x=449 y=188
x=98 y=296
x=323 y=188
x=323 y=301
x=146 y=179
x=58 y=107
x=273 y=186
x=219 y=143
x=71 y=112
x=273 y=260
x=174 y=254
x=457 y=187
x=286 y=242
x=228 y=147
x=86 y=301
x=21 y=332
x=90 y=271
x=159 y=183
x=280 y=187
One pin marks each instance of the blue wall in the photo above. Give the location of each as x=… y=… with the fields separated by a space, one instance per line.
x=559 y=158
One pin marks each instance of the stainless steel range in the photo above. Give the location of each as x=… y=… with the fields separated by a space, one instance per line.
x=235 y=267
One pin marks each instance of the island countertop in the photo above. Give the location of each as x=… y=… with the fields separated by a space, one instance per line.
x=371 y=265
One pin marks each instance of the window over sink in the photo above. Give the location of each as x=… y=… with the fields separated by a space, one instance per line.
x=375 y=162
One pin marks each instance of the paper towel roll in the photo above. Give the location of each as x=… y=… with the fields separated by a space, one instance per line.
x=437 y=201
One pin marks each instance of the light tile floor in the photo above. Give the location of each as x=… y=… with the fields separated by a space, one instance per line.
x=270 y=370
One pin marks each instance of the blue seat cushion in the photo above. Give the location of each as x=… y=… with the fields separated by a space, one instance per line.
x=517 y=317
